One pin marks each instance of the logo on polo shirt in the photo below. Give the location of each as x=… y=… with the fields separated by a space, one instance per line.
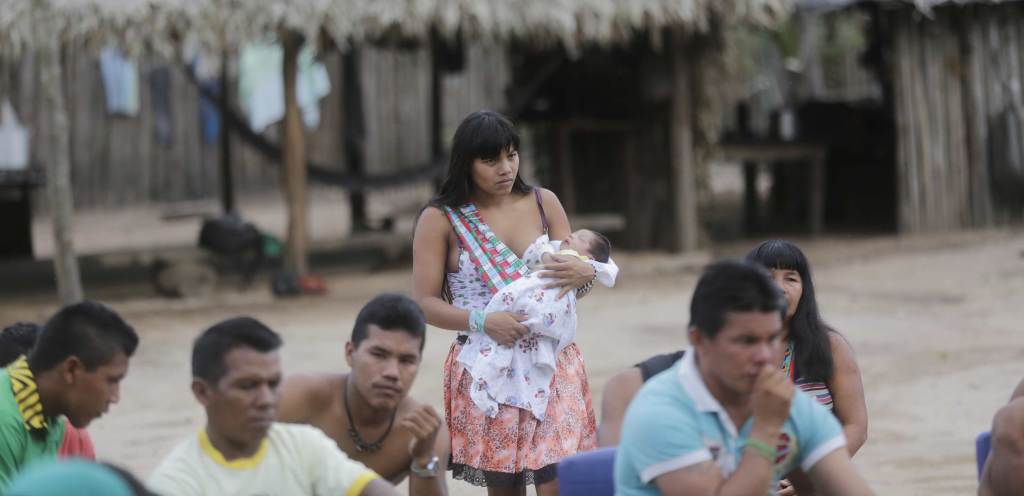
x=784 y=448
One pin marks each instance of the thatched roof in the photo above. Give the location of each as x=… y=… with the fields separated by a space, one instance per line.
x=157 y=24
x=922 y=5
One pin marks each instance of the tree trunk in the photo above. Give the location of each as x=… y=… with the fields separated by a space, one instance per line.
x=58 y=175
x=295 y=259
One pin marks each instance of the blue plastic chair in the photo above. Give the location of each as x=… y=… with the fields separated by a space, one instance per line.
x=982 y=448
x=590 y=473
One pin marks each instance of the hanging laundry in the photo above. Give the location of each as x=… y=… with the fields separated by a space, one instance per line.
x=163 y=117
x=209 y=112
x=207 y=77
x=120 y=82
x=261 y=84
x=13 y=139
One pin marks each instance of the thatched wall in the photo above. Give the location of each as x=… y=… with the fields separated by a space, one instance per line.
x=117 y=161
x=952 y=74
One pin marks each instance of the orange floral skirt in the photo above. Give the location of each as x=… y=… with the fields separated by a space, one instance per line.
x=514 y=448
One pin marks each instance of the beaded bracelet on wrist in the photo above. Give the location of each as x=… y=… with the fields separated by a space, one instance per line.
x=585 y=289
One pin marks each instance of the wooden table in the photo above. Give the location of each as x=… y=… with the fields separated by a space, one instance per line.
x=809 y=154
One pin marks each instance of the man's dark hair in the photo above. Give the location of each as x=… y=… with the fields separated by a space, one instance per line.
x=391 y=312
x=600 y=247
x=732 y=286
x=210 y=348
x=16 y=340
x=88 y=330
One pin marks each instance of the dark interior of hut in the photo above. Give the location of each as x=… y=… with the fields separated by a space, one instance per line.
x=598 y=123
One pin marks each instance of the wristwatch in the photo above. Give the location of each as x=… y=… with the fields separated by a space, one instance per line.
x=428 y=471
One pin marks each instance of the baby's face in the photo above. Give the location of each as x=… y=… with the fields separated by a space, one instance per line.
x=581 y=241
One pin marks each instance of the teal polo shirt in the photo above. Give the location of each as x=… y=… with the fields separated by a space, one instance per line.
x=674 y=422
x=24 y=438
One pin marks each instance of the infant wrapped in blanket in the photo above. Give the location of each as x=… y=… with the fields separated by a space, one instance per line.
x=520 y=375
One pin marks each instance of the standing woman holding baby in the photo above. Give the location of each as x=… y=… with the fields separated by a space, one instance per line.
x=459 y=261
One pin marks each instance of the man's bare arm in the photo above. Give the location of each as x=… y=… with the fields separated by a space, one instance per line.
x=430 y=439
x=618 y=392
x=836 y=474
x=752 y=476
x=1004 y=469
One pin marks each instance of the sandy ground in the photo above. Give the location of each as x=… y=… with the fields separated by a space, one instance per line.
x=934 y=321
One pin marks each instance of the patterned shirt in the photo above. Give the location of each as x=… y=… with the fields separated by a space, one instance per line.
x=26 y=434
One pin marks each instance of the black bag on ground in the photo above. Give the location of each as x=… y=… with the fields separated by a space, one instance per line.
x=239 y=241
x=229 y=235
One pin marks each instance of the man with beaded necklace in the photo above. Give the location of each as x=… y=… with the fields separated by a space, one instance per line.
x=367 y=411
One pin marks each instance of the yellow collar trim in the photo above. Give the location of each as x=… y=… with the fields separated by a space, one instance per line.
x=357 y=487
x=26 y=395
x=238 y=463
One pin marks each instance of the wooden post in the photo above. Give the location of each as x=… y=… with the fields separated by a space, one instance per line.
x=295 y=257
x=355 y=131
x=227 y=183
x=683 y=156
x=58 y=174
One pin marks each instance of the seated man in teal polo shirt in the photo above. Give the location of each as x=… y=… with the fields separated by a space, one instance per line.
x=74 y=370
x=725 y=419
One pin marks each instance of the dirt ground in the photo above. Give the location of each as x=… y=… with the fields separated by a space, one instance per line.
x=934 y=322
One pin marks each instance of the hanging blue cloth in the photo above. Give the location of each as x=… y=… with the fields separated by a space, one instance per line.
x=209 y=112
x=120 y=82
x=163 y=112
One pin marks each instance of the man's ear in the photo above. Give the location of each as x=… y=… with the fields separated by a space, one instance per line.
x=349 y=350
x=69 y=368
x=201 y=390
x=695 y=337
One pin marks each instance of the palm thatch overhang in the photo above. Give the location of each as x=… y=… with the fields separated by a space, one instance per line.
x=159 y=25
x=162 y=27
x=925 y=6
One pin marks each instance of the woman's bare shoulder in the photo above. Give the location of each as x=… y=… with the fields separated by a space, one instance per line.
x=842 y=352
x=433 y=218
x=547 y=196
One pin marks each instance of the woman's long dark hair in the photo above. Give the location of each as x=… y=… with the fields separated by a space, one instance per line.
x=483 y=134
x=807 y=331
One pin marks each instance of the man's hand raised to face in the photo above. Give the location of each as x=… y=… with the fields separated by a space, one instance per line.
x=424 y=423
x=772 y=396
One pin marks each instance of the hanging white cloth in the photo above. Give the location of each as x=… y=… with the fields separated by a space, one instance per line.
x=13 y=139
x=261 y=85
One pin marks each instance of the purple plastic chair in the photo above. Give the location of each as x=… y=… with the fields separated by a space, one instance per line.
x=982 y=448
x=590 y=473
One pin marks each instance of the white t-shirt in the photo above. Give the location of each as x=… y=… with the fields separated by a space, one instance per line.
x=294 y=460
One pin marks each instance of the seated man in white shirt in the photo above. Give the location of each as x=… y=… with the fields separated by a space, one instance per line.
x=725 y=419
x=242 y=451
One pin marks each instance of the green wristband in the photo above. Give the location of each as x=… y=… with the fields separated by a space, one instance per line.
x=761 y=448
